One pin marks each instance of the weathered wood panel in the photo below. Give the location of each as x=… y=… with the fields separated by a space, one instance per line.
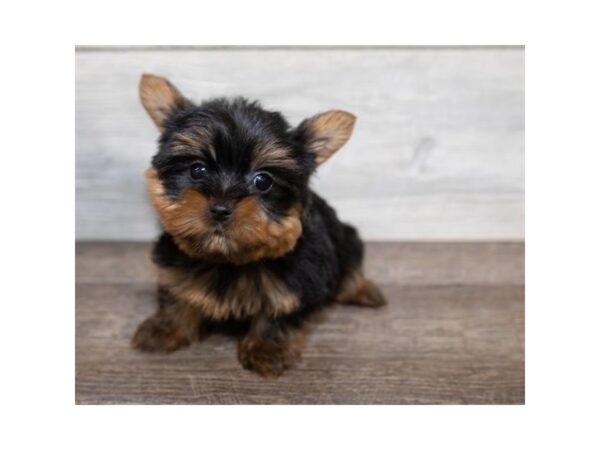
x=438 y=150
x=451 y=333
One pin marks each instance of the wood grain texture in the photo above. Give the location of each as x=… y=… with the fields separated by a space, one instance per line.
x=452 y=334
x=437 y=153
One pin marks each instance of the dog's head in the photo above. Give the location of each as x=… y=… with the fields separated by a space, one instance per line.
x=230 y=179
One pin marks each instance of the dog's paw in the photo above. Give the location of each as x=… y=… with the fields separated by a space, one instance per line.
x=269 y=358
x=157 y=334
x=357 y=290
x=371 y=296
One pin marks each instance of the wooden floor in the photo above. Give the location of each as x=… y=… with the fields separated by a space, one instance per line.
x=452 y=334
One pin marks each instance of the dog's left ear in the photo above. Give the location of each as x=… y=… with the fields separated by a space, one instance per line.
x=160 y=98
x=325 y=133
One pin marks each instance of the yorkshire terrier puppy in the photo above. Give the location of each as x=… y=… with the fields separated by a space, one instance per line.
x=247 y=245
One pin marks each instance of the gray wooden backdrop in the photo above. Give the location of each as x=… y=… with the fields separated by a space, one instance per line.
x=437 y=152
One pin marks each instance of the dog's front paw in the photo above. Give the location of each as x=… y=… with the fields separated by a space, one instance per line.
x=269 y=358
x=158 y=334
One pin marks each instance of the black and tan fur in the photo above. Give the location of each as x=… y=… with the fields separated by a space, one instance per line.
x=247 y=246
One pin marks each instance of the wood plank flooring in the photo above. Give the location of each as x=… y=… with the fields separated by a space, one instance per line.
x=452 y=333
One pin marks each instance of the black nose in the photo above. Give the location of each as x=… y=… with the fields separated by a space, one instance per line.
x=220 y=212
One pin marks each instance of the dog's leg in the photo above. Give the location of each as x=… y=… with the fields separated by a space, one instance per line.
x=355 y=289
x=270 y=347
x=176 y=324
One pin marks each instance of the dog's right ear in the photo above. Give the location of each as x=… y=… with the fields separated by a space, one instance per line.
x=160 y=98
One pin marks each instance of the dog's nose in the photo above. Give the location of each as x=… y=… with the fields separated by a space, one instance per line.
x=220 y=212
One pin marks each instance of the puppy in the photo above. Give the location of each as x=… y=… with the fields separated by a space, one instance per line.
x=247 y=246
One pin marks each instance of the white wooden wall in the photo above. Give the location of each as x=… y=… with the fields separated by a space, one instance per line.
x=437 y=152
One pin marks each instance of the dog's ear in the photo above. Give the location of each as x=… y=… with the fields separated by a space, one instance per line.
x=325 y=133
x=160 y=98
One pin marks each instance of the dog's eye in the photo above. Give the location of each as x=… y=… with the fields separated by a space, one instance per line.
x=197 y=171
x=263 y=182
